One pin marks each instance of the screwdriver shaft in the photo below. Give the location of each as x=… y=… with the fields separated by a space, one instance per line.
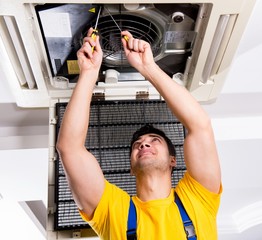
x=125 y=37
x=95 y=31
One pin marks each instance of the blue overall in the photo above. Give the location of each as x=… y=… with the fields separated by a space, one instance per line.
x=132 y=221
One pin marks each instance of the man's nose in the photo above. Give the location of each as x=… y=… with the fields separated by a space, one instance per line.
x=144 y=144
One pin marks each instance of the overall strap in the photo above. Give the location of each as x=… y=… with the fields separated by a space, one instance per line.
x=188 y=225
x=131 y=222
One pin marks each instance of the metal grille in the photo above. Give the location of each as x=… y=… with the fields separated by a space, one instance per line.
x=139 y=27
x=112 y=124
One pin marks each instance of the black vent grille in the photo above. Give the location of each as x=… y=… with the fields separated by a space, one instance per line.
x=112 y=124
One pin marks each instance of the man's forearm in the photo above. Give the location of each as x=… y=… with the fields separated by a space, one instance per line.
x=179 y=100
x=76 y=118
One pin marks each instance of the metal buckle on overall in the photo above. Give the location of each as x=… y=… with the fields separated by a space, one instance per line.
x=190 y=231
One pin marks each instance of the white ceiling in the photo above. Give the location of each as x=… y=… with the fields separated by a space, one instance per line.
x=236 y=118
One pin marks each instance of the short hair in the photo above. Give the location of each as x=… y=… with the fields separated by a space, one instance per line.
x=148 y=128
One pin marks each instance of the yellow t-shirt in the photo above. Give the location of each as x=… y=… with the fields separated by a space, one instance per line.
x=157 y=219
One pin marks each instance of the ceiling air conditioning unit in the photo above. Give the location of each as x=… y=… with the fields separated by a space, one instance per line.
x=194 y=42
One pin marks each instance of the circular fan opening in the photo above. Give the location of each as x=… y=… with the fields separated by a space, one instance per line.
x=110 y=36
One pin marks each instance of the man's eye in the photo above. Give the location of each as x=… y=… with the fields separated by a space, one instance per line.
x=155 y=139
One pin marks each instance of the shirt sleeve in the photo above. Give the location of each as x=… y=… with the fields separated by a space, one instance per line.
x=196 y=196
x=201 y=206
x=112 y=206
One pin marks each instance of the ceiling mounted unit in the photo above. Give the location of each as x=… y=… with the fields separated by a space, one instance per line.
x=192 y=41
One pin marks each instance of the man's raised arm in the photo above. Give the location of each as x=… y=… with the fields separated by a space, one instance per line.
x=83 y=172
x=200 y=152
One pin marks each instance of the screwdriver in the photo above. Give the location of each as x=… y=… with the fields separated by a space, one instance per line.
x=95 y=31
x=125 y=37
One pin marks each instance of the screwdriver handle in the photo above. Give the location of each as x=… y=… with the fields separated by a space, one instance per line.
x=126 y=38
x=93 y=35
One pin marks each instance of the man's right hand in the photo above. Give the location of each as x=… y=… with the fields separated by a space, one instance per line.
x=90 y=54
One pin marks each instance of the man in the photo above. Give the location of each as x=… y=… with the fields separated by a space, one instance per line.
x=104 y=205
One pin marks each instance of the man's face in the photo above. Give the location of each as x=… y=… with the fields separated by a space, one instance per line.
x=150 y=152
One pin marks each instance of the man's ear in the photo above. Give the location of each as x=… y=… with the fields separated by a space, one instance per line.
x=131 y=169
x=131 y=172
x=173 y=161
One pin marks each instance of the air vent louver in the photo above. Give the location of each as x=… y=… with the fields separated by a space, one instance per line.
x=112 y=124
